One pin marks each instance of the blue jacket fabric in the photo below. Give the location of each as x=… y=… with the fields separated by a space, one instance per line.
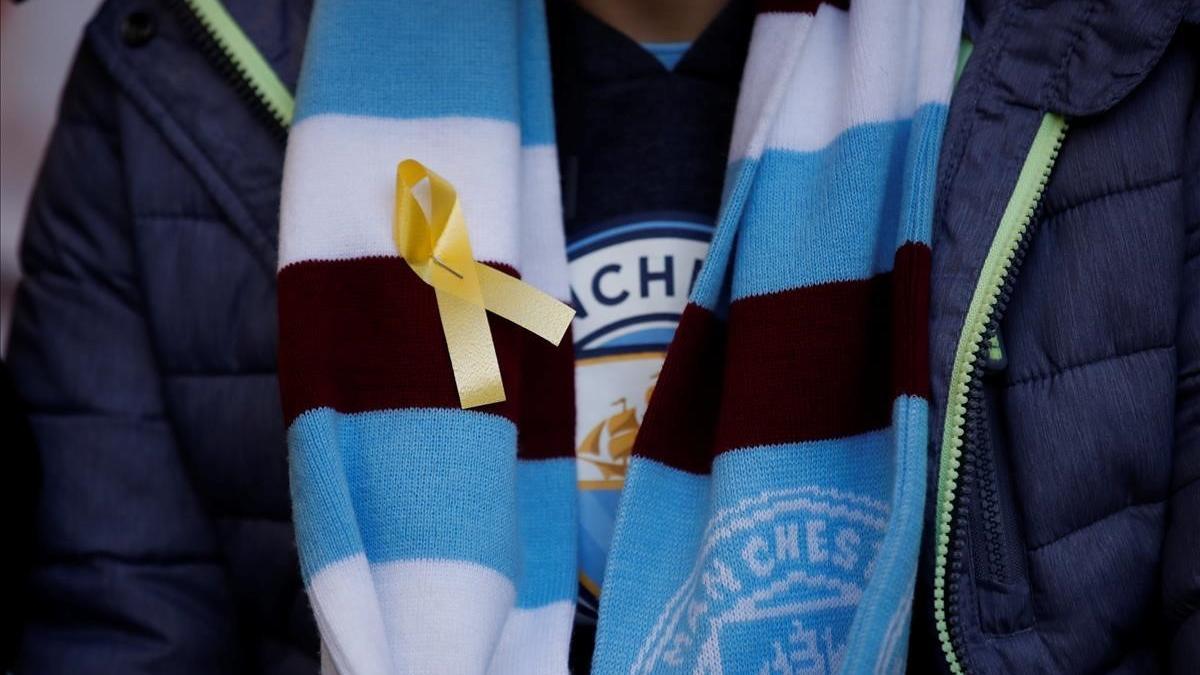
x=1094 y=419
x=144 y=344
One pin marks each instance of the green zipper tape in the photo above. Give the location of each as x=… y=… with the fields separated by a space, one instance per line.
x=1018 y=215
x=964 y=54
x=245 y=57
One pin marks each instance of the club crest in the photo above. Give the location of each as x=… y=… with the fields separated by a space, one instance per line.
x=776 y=583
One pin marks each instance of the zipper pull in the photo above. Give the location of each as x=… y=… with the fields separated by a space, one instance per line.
x=995 y=359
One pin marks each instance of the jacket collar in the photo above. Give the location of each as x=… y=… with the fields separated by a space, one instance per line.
x=1070 y=56
x=234 y=154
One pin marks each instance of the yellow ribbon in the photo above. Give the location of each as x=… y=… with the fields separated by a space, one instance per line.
x=436 y=247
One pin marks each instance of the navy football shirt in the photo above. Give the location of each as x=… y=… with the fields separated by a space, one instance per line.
x=642 y=153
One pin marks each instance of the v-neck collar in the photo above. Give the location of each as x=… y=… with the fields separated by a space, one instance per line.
x=718 y=54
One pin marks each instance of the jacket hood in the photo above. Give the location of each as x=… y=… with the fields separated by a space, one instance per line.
x=1071 y=57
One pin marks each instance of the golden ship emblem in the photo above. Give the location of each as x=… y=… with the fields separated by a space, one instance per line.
x=609 y=444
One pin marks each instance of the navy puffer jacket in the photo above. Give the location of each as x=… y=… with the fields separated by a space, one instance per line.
x=144 y=342
x=1076 y=545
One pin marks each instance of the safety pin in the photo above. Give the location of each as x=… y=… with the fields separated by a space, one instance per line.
x=446 y=267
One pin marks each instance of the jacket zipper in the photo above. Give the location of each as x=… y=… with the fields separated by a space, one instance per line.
x=980 y=472
x=964 y=407
x=979 y=468
x=240 y=61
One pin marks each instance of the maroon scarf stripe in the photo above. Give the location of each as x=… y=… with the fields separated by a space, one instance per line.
x=364 y=334
x=817 y=363
x=798 y=6
x=677 y=429
x=910 y=321
x=806 y=364
x=547 y=422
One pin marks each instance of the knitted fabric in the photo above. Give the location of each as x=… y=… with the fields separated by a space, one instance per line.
x=772 y=511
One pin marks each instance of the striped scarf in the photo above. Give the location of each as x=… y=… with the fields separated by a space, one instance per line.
x=771 y=517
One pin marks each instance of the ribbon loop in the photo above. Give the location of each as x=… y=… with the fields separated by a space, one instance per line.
x=435 y=244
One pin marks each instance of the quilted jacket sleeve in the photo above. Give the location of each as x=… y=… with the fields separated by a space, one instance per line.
x=1181 y=551
x=126 y=576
